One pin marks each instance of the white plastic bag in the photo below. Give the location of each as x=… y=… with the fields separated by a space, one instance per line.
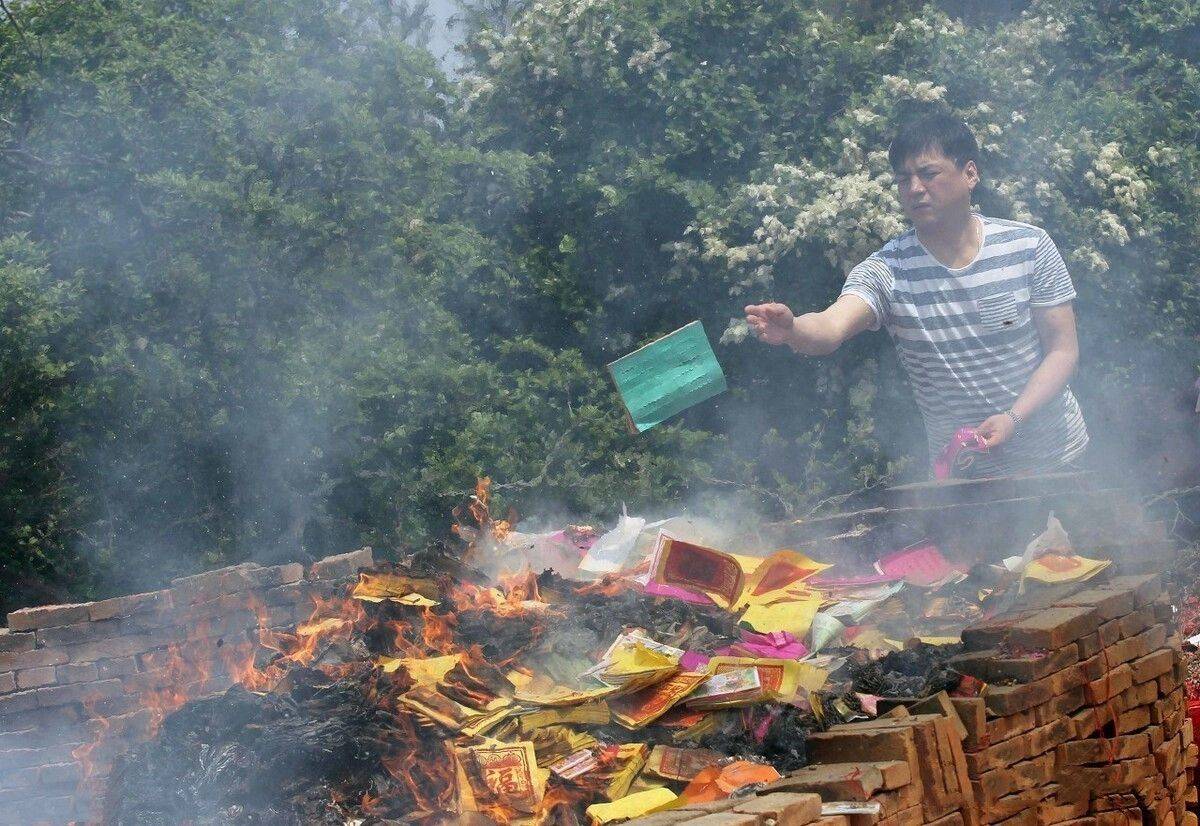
x=612 y=551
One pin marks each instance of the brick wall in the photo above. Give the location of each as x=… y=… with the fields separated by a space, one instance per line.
x=80 y=683
x=1083 y=724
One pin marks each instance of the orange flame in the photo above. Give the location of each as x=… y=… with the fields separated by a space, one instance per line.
x=558 y=804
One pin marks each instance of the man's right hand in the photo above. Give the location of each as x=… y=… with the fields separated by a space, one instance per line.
x=772 y=323
x=812 y=334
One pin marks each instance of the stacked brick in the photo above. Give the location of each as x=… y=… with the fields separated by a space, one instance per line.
x=904 y=770
x=1082 y=722
x=770 y=808
x=81 y=683
x=1083 y=719
x=912 y=766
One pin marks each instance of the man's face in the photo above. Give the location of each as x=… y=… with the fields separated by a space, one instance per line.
x=933 y=188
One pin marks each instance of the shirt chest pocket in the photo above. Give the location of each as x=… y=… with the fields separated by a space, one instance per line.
x=1003 y=310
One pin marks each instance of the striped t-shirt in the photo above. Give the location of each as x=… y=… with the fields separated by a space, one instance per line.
x=967 y=339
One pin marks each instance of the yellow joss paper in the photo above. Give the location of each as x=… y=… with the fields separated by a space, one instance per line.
x=940 y=640
x=637 y=667
x=559 y=695
x=519 y=680
x=499 y=774
x=780 y=679
x=377 y=587
x=637 y=658
x=872 y=639
x=625 y=767
x=424 y=672
x=630 y=806
x=794 y=615
x=1055 y=568
x=772 y=578
x=811 y=677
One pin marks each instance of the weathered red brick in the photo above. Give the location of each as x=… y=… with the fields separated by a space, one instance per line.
x=116 y=705
x=27 y=619
x=1109 y=603
x=42 y=756
x=297 y=593
x=1101 y=750
x=1152 y=665
x=90 y=631
x=129 y=726
x=1055 y=811
x=1113 y=802
x=1110 y=685
x=971 y=713
x=1166 y=709
x=11 y=642
x=118 y=647
x=1052 y=628
x=1111 y=777
x=82 y=673
x=18 y=702
x=36 y=677
x=60 y=774
x=31 y=659
x=838 y=781
x=1016 y=805
x=710 y=806
x=1000 y=729
x=276 y=575
x=1133 y=719
x=1027 y=668
x=1026 y=774
x=78 y=693
x=212 y=584
x=1003 y=700
x=1135 y=623
x=154 y=602
x=342 y=566
x=1121 y=817
x=1061 y=706
x=728 y=818
x=1147 y=587
x=784 y=808
x=115 y=668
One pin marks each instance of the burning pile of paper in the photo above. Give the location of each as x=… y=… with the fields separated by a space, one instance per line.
x=679 y=674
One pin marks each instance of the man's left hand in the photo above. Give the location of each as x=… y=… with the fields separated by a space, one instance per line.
x=998 y=429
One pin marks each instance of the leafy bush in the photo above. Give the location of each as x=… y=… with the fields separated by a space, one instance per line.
x=274 y=285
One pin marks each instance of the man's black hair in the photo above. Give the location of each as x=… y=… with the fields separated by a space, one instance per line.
x=938 y=131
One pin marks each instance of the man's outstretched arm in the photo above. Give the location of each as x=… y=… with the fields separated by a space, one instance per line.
x=811 y=334
x=1060 y=355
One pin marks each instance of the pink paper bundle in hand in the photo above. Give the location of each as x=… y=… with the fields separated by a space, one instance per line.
x=957 y=455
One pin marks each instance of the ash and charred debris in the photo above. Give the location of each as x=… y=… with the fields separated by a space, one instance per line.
x=918 y=671
x=279 y=757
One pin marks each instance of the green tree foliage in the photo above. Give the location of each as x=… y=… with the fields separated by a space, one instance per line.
x=257 y=303
x=706 y=155
x=36 y=493
x=273 y=284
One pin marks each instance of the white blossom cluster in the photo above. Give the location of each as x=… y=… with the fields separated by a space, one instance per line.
x=650 y=57
x=1119 y=181
x=581 y=39
x=923 y=90
x=921 y=32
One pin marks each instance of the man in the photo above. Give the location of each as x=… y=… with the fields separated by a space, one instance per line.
x=980 y=310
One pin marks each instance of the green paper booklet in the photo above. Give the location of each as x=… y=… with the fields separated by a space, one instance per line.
x=667 y=376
